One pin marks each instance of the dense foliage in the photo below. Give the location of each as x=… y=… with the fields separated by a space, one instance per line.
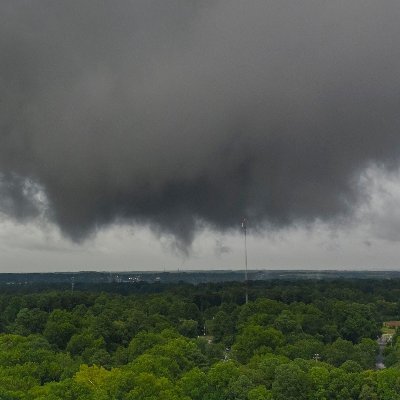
x=293 y=341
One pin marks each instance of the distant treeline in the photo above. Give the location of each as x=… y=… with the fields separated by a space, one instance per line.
x=194 y=277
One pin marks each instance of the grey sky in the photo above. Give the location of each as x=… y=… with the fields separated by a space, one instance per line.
x=183 y=116
x=369 y=240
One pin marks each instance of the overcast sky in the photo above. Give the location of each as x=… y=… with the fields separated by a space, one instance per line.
x=138 y=134
x=370 y=240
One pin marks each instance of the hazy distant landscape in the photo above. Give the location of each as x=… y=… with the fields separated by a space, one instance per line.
x=193 y=277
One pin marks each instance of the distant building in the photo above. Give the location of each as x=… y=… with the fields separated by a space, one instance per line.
x=392 y=324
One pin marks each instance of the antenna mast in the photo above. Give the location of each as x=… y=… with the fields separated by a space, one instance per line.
x=244 y=227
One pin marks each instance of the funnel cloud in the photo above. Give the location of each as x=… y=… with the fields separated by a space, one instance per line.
x=184 y=114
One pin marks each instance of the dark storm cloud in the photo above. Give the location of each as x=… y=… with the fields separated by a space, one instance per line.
x=180 y=113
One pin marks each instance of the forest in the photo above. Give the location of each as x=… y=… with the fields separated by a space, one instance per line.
x=293 y=340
